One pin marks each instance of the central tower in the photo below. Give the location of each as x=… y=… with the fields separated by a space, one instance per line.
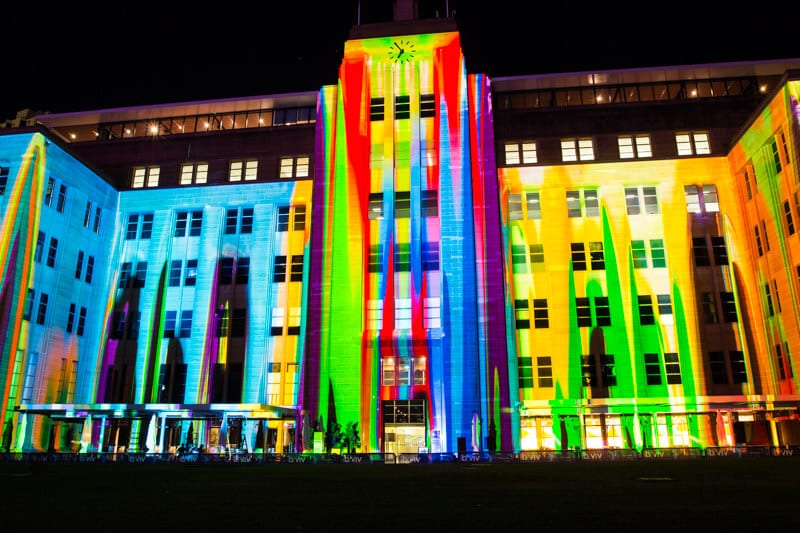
x=402 y=292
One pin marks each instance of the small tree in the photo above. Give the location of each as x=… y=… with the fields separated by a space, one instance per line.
x=351 y=440
x=333 y=436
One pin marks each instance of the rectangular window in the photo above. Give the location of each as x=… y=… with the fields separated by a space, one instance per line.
x=29 y=382
x=631 y=147
x=276 y=327
x=583 y=312
x=374 y=314
x=48 y=195
x=522 y=314
x=757 y=234
x=71 y=318
x=388 y=371
x=222 y=322
x=140 y=274
x=429 y=203
x=181 y=219
x=298 y=222
x=544 y=368
x=296 y=268
x=402 y=107
x=226 y=270
x=294 y=167
x=89 y=269
x=537 y=256
x=3 y=179
x=664 y=304
x=41 y=313
x=404 y=371
x=51 y=252
x=540 y=313
x=175 y=270
x=709 y=308
x=776 y=156
x=607 y=369
x=185 y=328
x=639 y=254
x=657 y=254
x=28 y=309
x=147 y=226
x=246 y=225
x=420 y=370
x=583 y=202
x=515 y=205
x=432 y=313
x=738 y=368
x=636 y=197
x=719 y=374
x=777 y=296
x=375 y=258
x=533 y=205
x=145 y=177
x=170 y=321
x=81 y=322
x=710 y=199
x=691 y=194
x=279 y=269
x=578 y=256
x=231 y=221
x=719 y=250
x=132 y=228
x=525 y=369
x=430 y=256
x=117 y=329
x=646 y=316
x=765 y=235
x=700 y=252
x=243 y=271
x=247 y=169
x=37 y=256
x=376 y=108
x=589 y=371
x=596 y=256
x=402 y=313
x=62 y=198
x=79 y=265
x=728 y=306
x=787 y=212
x=87 y=214
x=602 y=311
x=768 y=300
x=427 y=105
x=652 y=368
x=672 y=368
x=125 y=275
x=748 y=188
x=402 y=204
x=191 y=273
x=98 y=213
x=375 y=208
x=402 y=257
x=196 y=224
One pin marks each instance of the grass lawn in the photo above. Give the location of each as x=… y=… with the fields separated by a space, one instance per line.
x=704 y=494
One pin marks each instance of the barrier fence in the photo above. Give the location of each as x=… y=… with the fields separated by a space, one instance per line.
x=527 y=456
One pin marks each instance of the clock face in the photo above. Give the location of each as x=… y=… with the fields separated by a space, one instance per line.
x=401 y=51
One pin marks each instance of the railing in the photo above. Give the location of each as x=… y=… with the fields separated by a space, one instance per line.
x=526 y=456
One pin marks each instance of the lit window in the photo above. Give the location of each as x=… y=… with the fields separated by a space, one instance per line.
x=194 y=173
x=694 y=143
x=145 y=177
x=402 y=313
x=431 y=313
x=374 y=314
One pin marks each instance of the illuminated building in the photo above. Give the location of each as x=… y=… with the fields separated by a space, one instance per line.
x=456 y=263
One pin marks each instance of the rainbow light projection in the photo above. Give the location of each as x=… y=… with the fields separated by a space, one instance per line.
x=438 y=301
x=407 y=244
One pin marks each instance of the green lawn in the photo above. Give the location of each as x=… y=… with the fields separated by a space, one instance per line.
x=666 y=495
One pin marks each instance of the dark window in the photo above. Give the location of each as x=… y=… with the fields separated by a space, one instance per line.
x=589 y=371
x=279 y=269
x=191 y=273
x=4 y=179
x=185 y=329
x=429 y=203
x=596 y=256
x=402 y=204
x=226 y=271
x=62 y=198
x=170 y=319
x=652 y=368
x=243 y=271
x=728 y=306
x=664 y=304
x=646 y=316
x=89 y=269
x=175 y=270
x=51 y=252
x=430 y=256
x=602 y=311
x=719 y=374
x=402 y=107
x=283 y=219
x=583 y=312
x=140 y=275
x=522 y=313
x=28 y=309
x=299 y=222
x=738 y=369
x=247 y=220
x=672 y=368
x=79 y=265
x=147 y=226
x=541 y=317
x=297 y=268
x=578 y=256
x=700 y=250
x=181 y=218
x=81 y=321
x=376 y=108
x=375 y=258
x=117 y=323
x=375 y=207
x=125 y=275
x=98 y=213
x=238 y=322
x=787 y=211
x=197 y=224
x=720 y=250
x=427 y=105
x=231 y=221
x=545 y=369
x=87 y=214
x=37 y=256
x=525 y=369
x=48 y=195
x=41 y=313
x=132 y=228
x=71 y=318
x=402 y=257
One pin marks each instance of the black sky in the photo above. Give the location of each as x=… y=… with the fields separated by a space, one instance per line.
x=72 y=56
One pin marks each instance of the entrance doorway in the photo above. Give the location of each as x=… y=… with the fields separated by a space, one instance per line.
x=404 y=427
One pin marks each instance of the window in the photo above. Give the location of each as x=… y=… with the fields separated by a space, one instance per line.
x=430 y=256
x=602 y=311
x=374 y=314
x=279 y=269
x=589 y=371
x=544 y=367
x=525 y=369
x=81 y=322
x=185 y=328
x=748 y=188
x=537 y=256
x=98 y=213
x=402 y=107
x=87 y=215
x=190 y=279
x=62 y=198
x=222 y=322
x=719 y=250
x=147 y=226
x=226 y=270
x=402 y=257
x=388 y=371
x=577 y=149
x=375 y=258
x=709 y=308
x=132 y=228
x=657 y=253
x=583 y=312
x=664 y=304
x=294 y=167
x=117 y=323
x=521 y=153
x=700 y=251
x=728 y=306
x=175 y=270
x=28 y=309
x=41 y=313
x=30 y=377
x=716 y=362
x=578 y=256
x=140 y=274
x=639 y=254
x=710 y=199
x=758 y=240
x=170 y=320
x=3 y=179
x=247 y=169
x=243 y=271
x=71 y=319
x=635 y=197
x=768 y=300
x=738 y=368
x=596 y=256
x=89 y=269
x=427 y=105
x=194 y=219
x=431 y=313
x=420 y=365
x=777 y=297
x=787 y=211
x=125 y=275
x=631 y=147
x=376 y=108
x=646 y=316
x=522 y=313
x=242 y=220
x=402 y=204
x=692 y=143
x=48 y=194
x=145 y=176
x=276 y=327
x=37 y=256
x=672 y=368
x=429 y=203
x=776 y=156
x=402 y=313
x=580 y=200
x=79 y=265
x=375 y=208
x=765 y=234
x=51 y=252
x=540 y=313
x=194 y=173
x=296 y=268
x=652 y=368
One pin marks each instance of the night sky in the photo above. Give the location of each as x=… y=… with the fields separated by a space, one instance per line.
x=73 y=56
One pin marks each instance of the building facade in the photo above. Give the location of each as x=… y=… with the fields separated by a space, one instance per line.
x=425 y=258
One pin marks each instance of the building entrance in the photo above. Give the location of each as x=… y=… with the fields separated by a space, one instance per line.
x=404 y=428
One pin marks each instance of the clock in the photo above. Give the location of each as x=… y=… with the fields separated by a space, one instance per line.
x=401 y=51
